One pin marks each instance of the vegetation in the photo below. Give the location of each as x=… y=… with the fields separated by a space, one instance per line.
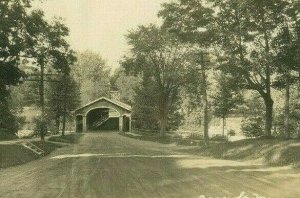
x=226 y=98
x=241 y=35
x=21 y=154
x=27 y=38
x=63 y=97
x=92 y=75
x=70 y=138
x=160 y=59
x=209 y=59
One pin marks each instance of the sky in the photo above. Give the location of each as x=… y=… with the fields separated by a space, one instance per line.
x=101 y=25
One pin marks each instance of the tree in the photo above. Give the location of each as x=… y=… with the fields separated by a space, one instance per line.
x=226 y=98
x=49 y=50
x=157 y=54
x=145 y=109
x=125 y=84
x=93 y=76
x=27 y=38
x=251 y=24
x=197 y=87
x=241 y=33
x=190 y=21
x=253 y=114
x=63 y=96
x=286 y=58
x=13 y=18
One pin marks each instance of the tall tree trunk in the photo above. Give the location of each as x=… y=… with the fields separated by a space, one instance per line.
x=299 y=81
x=298 y=124
x=65 y=100
x=299 y=98
x=64 y=123
x=205 y=102
x=163 y=126
x=163 y=114
x=57 y=123
x=205 y=119
x=42 y=102
x=3 y=104
x=223 y=127
x=287 y=108
x=267 y=98
x=269 y=116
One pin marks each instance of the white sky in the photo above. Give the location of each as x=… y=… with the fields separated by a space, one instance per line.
x=100 y=25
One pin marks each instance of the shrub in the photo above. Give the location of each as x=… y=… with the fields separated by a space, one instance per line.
x=6 y=134
x=8 y=124
x=280 y=128
x=40 y=126
x=231 y=132
x=253 y=126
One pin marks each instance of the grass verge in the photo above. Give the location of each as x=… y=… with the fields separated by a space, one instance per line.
x=16 y=154
x=70 y=138
x=156 y=138
x=276 y=152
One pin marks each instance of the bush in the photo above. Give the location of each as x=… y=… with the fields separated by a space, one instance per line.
x=6 y=134
x=231 y=132
x=40 y=126
x=8 y=124
x=253 y=126
x=280 y=128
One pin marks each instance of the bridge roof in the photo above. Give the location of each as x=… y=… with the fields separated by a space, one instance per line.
x=115 y=102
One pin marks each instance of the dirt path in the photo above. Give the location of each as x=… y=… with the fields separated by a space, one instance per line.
x=110 y=165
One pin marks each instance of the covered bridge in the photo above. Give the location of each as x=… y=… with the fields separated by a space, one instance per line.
x=103 y=114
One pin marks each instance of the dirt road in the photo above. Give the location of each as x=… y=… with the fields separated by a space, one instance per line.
x=110 y=165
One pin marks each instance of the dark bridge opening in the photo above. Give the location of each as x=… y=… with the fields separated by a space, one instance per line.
x=101 y=119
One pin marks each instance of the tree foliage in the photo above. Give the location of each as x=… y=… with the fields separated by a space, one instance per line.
x=241 y=34
x=27 y=38
x=63 y=97
x=93 y=76
x=253 y=115
x=226 y=98
x=160 y=57
x=14 y=20
x=125 y=84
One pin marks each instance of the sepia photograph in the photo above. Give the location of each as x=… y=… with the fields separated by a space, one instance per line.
x=149 y=99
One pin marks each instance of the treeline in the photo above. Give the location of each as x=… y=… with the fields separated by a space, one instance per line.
x=29 y=42
x=208 y=59
x=214 y=53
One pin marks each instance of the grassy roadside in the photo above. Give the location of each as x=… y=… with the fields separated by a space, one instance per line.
x=274 y=152
x=165 y=140
x=70 y=138
x=16 y=154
